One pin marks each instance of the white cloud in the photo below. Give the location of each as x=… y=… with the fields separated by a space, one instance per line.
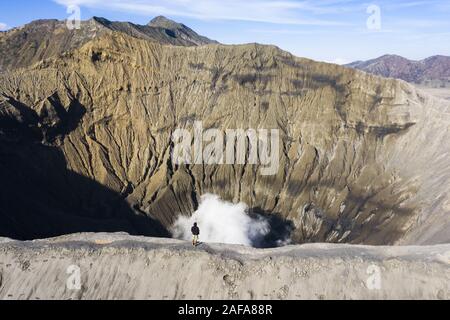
x=339 y=61
x=420 y=23
x=3 y=26
x=284 y=31
x=405 y=5
x=269 y=11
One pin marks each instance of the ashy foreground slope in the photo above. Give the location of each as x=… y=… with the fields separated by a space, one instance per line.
x=123 y=267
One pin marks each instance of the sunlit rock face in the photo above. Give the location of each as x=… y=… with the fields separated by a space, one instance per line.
x=86 y=142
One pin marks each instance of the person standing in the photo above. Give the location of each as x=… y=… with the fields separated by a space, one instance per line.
x=195 y=233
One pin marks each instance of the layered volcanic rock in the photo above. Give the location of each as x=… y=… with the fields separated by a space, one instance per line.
x=85 y=143
x=42 y=39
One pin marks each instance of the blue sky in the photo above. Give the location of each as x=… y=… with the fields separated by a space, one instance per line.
x=327 y=30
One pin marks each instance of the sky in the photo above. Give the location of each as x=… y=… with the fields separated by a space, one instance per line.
x=339 y=31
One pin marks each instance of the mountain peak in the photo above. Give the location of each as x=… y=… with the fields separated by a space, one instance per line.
x=391 y=57
x=435 y=68
x=22 y=41
x=102 y=21
x=163 y=22
x=179 y=30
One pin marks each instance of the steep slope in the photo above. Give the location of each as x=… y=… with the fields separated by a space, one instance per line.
x=430 y=70
x=362 y=159
x=42 y=39
x=122 y=267
x=179 y=30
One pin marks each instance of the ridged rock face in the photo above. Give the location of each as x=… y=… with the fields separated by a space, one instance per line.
x=43 y=39
x=85 y=143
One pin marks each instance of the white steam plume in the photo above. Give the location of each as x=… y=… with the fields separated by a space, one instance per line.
x=222 y=222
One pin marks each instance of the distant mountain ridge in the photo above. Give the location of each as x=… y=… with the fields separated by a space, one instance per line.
x=432 y=70
x=42 y=39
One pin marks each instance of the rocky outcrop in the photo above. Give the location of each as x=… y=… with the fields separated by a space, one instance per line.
x=100 y=266
x=86 y=143
x=179 y=31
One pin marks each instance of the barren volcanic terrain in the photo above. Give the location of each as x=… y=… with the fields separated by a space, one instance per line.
x=86 y=125
x=117 y=266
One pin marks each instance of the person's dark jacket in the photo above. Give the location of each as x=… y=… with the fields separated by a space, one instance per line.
x=195 y=231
